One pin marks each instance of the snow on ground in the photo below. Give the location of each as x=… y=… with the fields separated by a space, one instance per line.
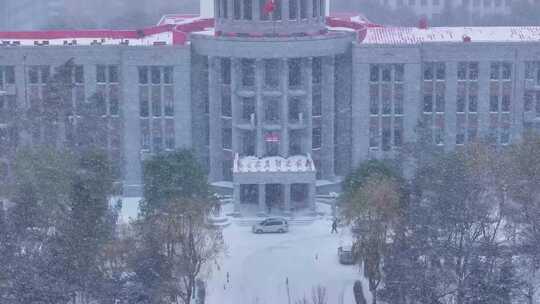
x=259 y=266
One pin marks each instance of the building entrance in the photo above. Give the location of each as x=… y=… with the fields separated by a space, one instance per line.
x=274 y=197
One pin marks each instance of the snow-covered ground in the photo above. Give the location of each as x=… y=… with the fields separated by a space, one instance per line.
x=260 y=265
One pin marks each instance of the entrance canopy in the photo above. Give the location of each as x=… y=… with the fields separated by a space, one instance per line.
x=274 y=169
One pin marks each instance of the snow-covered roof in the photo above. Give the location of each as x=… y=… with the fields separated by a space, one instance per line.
x=250 y=164
x=414 y=35
x=171 y=30
x=179 y=19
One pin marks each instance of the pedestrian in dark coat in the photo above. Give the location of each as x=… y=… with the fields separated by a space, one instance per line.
x=334 y=226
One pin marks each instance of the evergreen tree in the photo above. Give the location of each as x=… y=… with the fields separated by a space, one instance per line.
x=169 y=176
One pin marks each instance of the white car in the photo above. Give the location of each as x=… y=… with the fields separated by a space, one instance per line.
x=271 y=225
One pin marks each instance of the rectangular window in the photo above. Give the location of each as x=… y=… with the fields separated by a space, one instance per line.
x=374 y=73
x=169 y=134
x=248 y=108
x=143 y=75
x=157 y=136
x=386 y=99
x=226 y=106
x=295 y=72
x=271 y=73
x=398 y=132
x=145 y=134
x=168 y=75
x=168 y=100
x=293 y=9
x=101 y=74
x=276 y=14
x=317 y=138
x=528 y=101
x=156 y=75
x=315 y=7
x=263 y=13
x=79 y=74
x=494 y=103
x=473 y=71
x=10 y=74
x=272 y=110
x=303 y=9
x=374 y=132
x=495 y=69
x=398 y=99
x=294 y=109
x=45 y=73
x=226 y=71
x=248 y=10
x=399 y=73
x=248 y=72
x=386 y=73
x=33 y=75
x=440 y=70
x=374 y=99
x=156 y=101
x=114 y=100
x=317 y=103
x=428 y=103
x=113 y=73
x=462 y=71
x=428 y=71
x=440 y=90
x=506 y=70
x=237 y=9
x=227 y=138
x=317 y=70
x=386 y=134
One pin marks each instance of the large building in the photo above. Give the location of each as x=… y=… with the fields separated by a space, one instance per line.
x=277 y=99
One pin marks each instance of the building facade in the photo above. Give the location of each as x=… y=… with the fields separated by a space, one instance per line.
x=278 y=102
x=471 y=9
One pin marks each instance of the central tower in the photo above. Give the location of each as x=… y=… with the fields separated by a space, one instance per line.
x=270 y=17
x=266 y=88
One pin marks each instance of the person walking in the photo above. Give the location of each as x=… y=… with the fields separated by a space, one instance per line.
x=334 y=226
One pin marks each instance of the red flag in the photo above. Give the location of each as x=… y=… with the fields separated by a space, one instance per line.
x=270 y=6
x=272 y=137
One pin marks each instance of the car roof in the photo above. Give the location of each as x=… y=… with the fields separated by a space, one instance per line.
x=275 y=219
x=346 y=248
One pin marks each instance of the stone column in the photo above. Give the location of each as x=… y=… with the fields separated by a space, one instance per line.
x=236 y=197
x=308 y=75
x=312 y=193
x=327 y=149
x=284 y=76
x=132 y=130
x=516 y=107
x=216 y=172
x=23 y=101
x=450 y=106
x=483 y=99
x=262 y=198
x=287 y=197
x=259 y=109
x=360 y=112
x=235 y=108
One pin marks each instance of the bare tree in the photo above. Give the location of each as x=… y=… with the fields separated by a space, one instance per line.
x=187 y=244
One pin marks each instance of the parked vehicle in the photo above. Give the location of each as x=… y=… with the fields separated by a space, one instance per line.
x=346 y=255
x=271 y=225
